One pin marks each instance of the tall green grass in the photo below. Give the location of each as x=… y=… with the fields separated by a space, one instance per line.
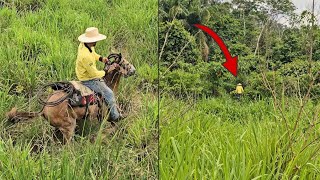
x=39 y=45
x=221 y=138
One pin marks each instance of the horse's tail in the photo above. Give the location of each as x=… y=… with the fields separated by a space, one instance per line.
x=14 y=116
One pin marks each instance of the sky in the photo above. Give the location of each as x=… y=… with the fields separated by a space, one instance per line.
x=302 y=5
x=305 y=5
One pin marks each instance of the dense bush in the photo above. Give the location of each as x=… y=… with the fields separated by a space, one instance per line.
x=178 y=40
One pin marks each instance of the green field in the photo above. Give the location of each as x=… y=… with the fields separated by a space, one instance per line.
x=222 y=138
x=39 y=45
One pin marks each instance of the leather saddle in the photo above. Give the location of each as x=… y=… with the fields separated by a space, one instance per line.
x=82 y=96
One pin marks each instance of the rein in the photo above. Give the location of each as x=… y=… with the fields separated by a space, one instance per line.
x=65 y=86
x=117 y=59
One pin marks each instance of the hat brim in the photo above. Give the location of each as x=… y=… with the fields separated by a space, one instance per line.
x=83 y=38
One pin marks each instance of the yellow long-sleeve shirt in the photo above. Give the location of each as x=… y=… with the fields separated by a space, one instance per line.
x=86 y=64
x=239 y=89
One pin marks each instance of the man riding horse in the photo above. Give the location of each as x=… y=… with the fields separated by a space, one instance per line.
x=61 y=107
x=87 y=72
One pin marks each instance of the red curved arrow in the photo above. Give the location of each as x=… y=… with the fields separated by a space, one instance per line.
x=231 y=63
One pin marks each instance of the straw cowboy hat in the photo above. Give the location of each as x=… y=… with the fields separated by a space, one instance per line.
x=91 y=35
x=239 y=84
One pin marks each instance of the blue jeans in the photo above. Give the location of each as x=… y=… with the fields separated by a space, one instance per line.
x=99 y=86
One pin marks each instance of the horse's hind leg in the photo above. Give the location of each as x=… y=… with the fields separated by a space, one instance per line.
x=68 y=129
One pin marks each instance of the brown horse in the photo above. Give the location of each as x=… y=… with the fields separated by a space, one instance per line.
x=62 y=115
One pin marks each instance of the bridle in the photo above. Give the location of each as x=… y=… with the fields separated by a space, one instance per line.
x=117 y=59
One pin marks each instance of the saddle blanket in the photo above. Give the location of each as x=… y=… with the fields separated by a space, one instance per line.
x=84 y=90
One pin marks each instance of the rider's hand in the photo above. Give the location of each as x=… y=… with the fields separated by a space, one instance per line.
x=105 y=60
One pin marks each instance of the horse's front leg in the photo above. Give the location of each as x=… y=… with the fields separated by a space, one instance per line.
x=68 y=129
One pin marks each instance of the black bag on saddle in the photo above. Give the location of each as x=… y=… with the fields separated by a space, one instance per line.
x=77 y=100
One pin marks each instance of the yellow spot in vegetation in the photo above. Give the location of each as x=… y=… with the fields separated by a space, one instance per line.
x=19 y=88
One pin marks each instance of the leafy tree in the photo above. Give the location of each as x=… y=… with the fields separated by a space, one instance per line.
x=179 y=47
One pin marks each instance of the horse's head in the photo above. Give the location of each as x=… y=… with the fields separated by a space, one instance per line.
x=120 y=65
x=115 y=69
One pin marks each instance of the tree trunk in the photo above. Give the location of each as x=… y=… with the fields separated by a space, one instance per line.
x=244 y=24
x=260 y=35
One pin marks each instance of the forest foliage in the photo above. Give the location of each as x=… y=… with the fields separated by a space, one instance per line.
x=267 y=36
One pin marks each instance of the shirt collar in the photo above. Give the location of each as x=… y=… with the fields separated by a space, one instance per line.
x=88 y=47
